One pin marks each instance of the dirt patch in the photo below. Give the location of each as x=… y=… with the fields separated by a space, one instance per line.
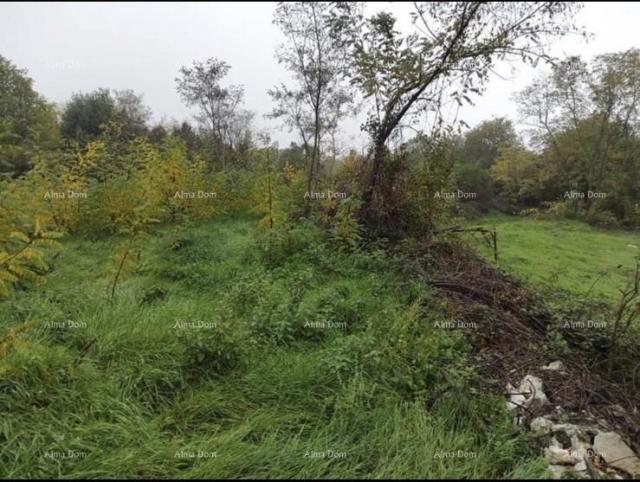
x=509 y=342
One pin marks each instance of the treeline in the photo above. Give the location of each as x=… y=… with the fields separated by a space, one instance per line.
x=583 y=158
x=30 y=125
x=97 y=165
x=98 y=168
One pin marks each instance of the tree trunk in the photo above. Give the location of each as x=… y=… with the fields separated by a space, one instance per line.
x=379 y=152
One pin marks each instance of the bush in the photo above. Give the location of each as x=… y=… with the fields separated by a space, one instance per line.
x=602 y=218
x=214 y=351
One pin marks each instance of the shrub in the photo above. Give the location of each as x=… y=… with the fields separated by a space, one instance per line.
x=214 y=351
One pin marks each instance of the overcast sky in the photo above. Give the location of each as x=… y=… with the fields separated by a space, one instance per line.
x=71 y=47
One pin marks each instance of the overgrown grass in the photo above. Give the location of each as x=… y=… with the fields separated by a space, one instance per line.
x=313 y=363
x=567 y=254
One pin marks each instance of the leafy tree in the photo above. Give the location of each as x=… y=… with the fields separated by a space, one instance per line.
x=476 y=154
x=158 y=133
x=515 y=174
x=28 y=123
x=22 y=253
x=290 y=106
x=189 y=136
x=482 y=143
x=292 y=155
x=449 y=56
x=131 y=112
x=86 y=115
x=584 y=117
x=239 y=134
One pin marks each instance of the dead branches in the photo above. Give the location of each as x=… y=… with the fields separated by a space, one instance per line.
x=490 y=235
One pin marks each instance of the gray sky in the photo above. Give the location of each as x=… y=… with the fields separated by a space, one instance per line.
x=70 y=47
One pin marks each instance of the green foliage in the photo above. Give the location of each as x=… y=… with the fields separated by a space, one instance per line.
x=28 y=123
x=476 y=153
x=345 y=230
x=218 y=113
x=585 y=122
x=407 y=77
x=26 y=235
x=516 y=177
x=430 y=360
x=413 y=183
x=149 y=389
x=214 y=350
x=86 y=116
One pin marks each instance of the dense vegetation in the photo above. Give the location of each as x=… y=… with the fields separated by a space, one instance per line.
x=585 y=154
x=191 y=300
x=310 y=351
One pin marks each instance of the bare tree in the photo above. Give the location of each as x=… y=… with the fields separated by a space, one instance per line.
x=290 y=106
x=310 y=54
x=199 y=86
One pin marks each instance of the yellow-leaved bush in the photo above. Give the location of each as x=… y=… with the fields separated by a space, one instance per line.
x=22 y=254
x=102 y=188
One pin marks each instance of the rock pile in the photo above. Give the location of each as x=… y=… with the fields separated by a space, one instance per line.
x=583 y=449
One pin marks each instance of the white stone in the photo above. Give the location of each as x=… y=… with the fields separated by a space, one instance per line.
x=554 y=443
x=556 y=471
x=559 y=456
x=516 y=400
x=541 y=425
x=533 y=386
x=616 y=453
x=579 y=447
x=554 y=366
x=580 y=466
x=568 y=428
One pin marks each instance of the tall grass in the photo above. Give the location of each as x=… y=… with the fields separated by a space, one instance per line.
x=266 y=390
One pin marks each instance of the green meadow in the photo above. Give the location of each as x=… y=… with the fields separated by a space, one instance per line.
x=224 y=355
x=570 y=255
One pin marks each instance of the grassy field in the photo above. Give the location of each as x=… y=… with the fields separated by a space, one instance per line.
x=220 y=358
x=568 y=254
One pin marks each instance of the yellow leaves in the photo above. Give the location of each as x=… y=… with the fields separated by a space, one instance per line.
x=37 y=227
x=22 y=255
x=11 y=340
x=91 y=158
x=291 y=174
x=4 y=288
x=106 y=187
x=19 y=235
